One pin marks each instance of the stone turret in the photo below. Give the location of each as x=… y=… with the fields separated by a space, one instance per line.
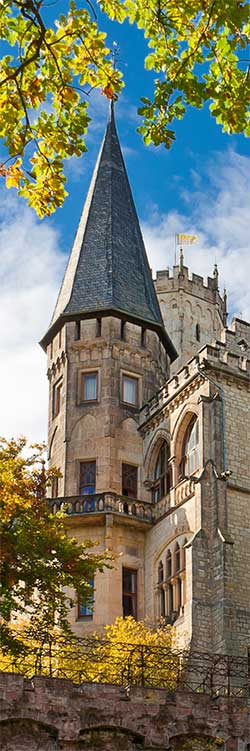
x=193 y=310
x=108 y=352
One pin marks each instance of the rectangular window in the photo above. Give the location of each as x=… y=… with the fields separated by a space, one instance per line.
x=87 y=609
x=130 y=390
x=57 y=398
x=89 y=387
x=129 y=592
x=87 y=478
x=129 y=480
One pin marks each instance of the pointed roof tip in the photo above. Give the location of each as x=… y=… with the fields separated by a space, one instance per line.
x=108 y=270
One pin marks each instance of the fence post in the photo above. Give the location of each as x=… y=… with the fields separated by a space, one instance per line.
x=142 y=666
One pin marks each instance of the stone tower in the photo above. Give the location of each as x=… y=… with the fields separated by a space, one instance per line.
x=193 y=311
x=108 y=352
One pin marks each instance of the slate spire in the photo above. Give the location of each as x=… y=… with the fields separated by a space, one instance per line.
x=108 y=271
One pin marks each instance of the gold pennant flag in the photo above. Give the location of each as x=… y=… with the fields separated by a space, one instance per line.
x=186 y=239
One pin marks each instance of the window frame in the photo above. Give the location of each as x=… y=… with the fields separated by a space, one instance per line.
x=186 y=453
x=164 y=480
x=135 y=378
x=134 y=467
x=132 y=595
x=89 y=607
x=83 y=375
x=86 y=461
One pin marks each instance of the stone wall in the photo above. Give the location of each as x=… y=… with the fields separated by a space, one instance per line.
x=45 y=714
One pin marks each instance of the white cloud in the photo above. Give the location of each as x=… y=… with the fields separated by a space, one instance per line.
x=219 y=214
x=30 y=273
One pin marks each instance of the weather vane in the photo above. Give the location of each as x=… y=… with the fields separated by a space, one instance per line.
x=108 y=90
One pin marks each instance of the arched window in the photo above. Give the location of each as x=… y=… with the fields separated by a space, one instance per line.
x=172 y=583
x=160 y=572
x=177 y=558
x=163 y=474
x=169 y=564
x=161 y=590
x=190 y=459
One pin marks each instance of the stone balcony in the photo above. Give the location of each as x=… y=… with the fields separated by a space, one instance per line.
x=103 y=503
x=112 y=503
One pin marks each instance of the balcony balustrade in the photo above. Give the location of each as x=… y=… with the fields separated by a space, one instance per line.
x=103 y=503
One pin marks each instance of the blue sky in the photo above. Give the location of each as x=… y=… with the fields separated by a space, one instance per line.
x=200 y=186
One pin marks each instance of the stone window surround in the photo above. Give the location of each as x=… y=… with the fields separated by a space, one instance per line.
x=164 y=581
x=80 y=375
x=57 y=397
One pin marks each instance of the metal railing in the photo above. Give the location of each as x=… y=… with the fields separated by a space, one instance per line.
x=102 y=661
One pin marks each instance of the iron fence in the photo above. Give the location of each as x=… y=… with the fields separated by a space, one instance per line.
x=97 y=660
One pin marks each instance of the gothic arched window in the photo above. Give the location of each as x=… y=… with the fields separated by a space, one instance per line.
x=169 y=564
x=160 y=573
x=177 y=558
x=190 y=459
x=171 y=583
x=162 y=475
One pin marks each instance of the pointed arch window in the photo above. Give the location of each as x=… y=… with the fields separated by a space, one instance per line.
x=169 y=564
x=160 y=573
x=171 y=583
x=190 y=460
x=177 y=558
x=163 y=474
x=161 y=590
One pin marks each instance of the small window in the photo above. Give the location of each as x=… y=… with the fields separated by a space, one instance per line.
x=77 y=330
x=123 y=330
x=177 y=558
x=87 y=609
x=51 y=349
x=129 y=592
x=87 y=478
x=129 y=480
x=130 y=390
x=60 y=338
x=57 y=398
x=143 y=337
x=198 y=332
x=190 y=460
x=98 y=331
x=160 y=573
x=169 y=564
x=89 y=387
x=163 y=474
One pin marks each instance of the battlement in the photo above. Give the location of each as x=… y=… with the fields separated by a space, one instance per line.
x=216 y=355
x=236 y=338
x=195 y=285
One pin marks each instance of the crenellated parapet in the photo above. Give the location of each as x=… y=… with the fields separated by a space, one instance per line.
x=188 y=379
x=207 y=290
x=193 y=310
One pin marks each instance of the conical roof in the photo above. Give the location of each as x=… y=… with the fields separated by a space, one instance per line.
x=108 y=270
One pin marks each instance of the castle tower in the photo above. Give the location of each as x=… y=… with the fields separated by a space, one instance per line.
x=194 y=312
x=108 y=352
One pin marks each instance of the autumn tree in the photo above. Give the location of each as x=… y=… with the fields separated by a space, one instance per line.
x=39 y=562
x=198 y=50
